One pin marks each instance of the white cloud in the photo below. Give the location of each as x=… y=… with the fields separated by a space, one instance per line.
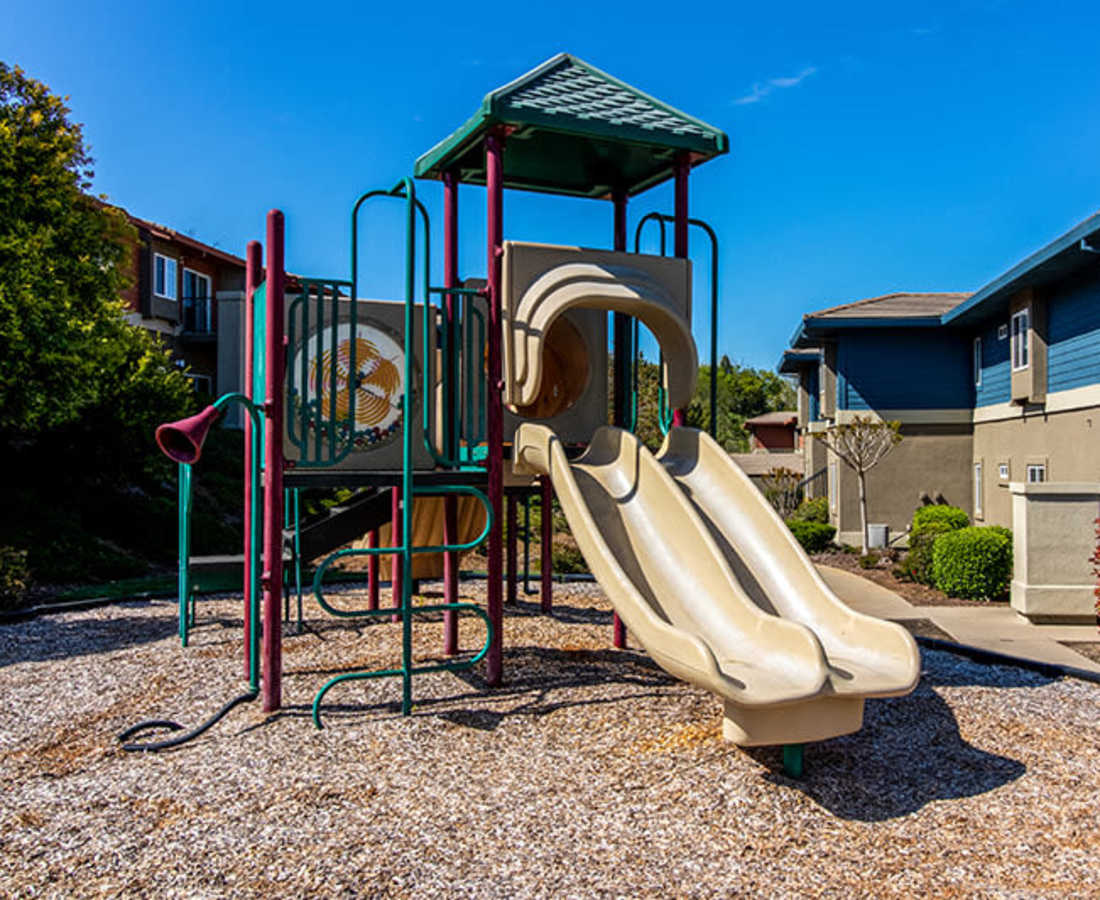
x=761 y=89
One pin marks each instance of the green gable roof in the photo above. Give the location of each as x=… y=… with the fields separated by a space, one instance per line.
x=574 y=130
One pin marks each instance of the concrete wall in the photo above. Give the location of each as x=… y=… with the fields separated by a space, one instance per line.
x=1065 y=442
x=1053 y=531
x=931 y=459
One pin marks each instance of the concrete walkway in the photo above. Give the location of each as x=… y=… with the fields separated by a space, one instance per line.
x=997 y=628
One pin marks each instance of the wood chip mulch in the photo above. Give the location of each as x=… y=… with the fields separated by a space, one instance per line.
x=590 y=773
x=882 y=574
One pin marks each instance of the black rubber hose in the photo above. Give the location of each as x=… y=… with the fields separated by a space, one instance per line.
x=153 y=746
x=150 y=723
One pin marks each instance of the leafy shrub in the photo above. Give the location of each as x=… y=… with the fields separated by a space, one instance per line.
x=917 y=565
x=781 y=490
x=814 y=537
x=869 y=561
x=816 y=510
x=975 y=563
x=567 y=556
x=935 y=516
x=929 y=523
x=14 y=577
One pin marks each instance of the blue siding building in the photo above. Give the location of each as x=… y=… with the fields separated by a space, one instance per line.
x=994 y=387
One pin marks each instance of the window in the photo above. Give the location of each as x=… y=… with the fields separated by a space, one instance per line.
x=164 y=277
x=1021 y=323
x=832 y=487
x=1036 y=473
x=1002 y=332
x=1002 y=472
x=977 y=362
x=977 y=489
x=196 y=303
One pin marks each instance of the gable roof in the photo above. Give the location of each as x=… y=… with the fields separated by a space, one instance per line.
x=901 y=309
x=574 y=130
x=792 y=361
x=900 y=305
x=782 y=417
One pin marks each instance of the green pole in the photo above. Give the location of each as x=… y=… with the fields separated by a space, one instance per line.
x=793 y=760
x=184 y=582
x=406 y=473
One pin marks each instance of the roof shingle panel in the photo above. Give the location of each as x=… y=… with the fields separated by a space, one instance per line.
x=570 y=89
x=901 y=305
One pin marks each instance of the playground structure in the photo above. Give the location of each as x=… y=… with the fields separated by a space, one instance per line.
x=465 y=389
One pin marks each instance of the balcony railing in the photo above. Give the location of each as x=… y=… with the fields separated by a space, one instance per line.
x=198 y=315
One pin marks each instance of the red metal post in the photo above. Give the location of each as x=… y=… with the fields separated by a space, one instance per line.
x=512 y=567
x=450 y=412
x=546 y=566
x=372 y=570
x=494 y=183
x=273 y=467
x=253 y=263
x=623 y=359
x=396 y=573
x=680 y=231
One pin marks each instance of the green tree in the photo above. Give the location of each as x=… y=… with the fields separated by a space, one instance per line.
x=742 y=392
x=80 y=389
x=60 y=255
x=861 y=444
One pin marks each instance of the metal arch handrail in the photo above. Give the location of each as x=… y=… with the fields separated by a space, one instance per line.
x=407 y=670
x=661 y=219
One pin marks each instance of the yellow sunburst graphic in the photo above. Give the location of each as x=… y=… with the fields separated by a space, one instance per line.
x=379 y=395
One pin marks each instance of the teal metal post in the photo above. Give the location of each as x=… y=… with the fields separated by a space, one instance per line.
x=184 y=578
x=793 y=760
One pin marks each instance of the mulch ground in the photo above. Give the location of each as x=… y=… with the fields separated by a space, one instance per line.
x=917 y=594
x=589 y=773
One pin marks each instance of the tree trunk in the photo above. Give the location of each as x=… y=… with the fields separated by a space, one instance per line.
x=864 y=550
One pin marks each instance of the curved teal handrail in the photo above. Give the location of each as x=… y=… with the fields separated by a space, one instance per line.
x=412 y=670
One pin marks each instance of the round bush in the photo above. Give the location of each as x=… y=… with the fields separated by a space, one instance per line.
x=816 y=510
x=974 y=563
x=813 y=536
x=941 y=515
x=917 y=564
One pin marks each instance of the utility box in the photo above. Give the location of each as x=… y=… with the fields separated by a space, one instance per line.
x=878 y=536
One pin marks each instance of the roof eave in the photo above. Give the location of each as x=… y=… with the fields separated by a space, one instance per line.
x=1028 y=271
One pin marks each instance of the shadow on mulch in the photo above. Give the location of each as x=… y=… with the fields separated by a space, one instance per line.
x=909 y=752
x=51 y=637
x=533 y=676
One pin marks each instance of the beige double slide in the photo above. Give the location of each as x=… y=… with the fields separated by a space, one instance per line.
x=709 y=579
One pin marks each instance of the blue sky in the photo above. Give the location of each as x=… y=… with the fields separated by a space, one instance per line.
x=875 y=147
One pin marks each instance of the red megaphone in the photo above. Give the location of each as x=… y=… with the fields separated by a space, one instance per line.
x=182 y=441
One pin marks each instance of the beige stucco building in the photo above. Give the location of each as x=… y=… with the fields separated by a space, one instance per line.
x=993 y=390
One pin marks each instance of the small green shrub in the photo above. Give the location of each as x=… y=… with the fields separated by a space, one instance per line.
x=935 y=516
x=14 y=577
x=816 y=510
x=869 y=561
x=917 y=565
x=974 y=563
x=567 y=556
x=929 y=523
x=814 y=537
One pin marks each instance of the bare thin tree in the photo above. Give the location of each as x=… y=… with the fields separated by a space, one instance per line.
x=861 y=444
